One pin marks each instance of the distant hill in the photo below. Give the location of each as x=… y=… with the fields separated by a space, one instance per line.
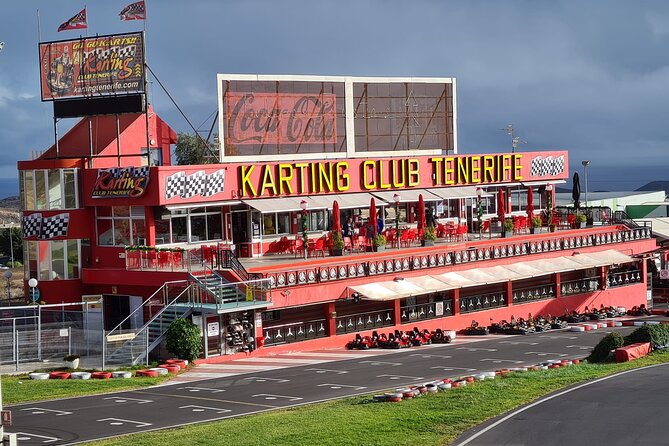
x=655 y=186
x=9 y=210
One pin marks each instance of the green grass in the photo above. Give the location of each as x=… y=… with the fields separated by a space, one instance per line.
x=435 y=419
x=20 y=389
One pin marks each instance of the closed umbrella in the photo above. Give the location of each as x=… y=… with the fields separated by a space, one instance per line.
x=530 y=202
x=576 y=191
x=501 y=208
x=372 y=218
x=421 y=212
x=336 y=222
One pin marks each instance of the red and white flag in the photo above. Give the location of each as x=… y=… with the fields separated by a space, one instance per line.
x=76 y=22
x=134 y=11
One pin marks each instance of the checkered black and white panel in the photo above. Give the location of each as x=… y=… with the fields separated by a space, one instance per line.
x=141 y=171
x=32 y=225
x=215 y=183
x=175 y=185
x=551 y=165
x=195 y=184
x=55 y=226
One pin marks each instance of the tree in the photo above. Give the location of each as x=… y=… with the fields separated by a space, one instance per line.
x=17 y=242
x=192 y=149
x=183 y=339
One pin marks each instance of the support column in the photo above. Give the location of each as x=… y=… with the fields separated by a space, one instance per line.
x=456 y=301
x=397 y=312
x=330 y=317
x=558 y=289
x=603 y=272
x=509 y=294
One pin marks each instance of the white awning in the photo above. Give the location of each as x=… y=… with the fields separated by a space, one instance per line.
x=199 y=204
x=276 y=204
x=603 y=258
x=406 y=195
x=541 y=183
x=449 y=193
x=357 y=200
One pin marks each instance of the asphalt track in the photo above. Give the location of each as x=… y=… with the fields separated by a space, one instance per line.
x=74 y=420
x=620 y=410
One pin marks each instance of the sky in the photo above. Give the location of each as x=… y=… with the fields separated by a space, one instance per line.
x=590 y=77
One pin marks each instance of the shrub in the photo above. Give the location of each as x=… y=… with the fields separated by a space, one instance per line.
x=536 y=222
x=380 y=240
x=581 y=218
x=657 y=335
x=429 y=233
x=508 y=225
x=14 y=264
x=337 y=240
x=601 y=351
x=183 y=339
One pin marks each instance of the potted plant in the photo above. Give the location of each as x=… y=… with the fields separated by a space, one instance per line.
x=581 y=219
x=72 y=361
x=379 y=242
x=337 y=244
x=429 y=236
x=508 y=227
x=535 y=223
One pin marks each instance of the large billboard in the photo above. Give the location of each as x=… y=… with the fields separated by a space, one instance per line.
x=92 y=66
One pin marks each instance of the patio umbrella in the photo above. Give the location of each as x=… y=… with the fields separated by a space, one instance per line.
x=421 y=212
x=501 y=207
x=336 y=222
x=576 y=191
x=530 y=202
x=372 y=216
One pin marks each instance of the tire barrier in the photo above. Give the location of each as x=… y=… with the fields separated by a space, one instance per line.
x=576 y=328
x=181 y=363
x=160 y=371
x=147 y=372
x=173 y=369
x=59 y=375
x=38 y=376
x=121 y=375
x=101 y=375
x=80 y=375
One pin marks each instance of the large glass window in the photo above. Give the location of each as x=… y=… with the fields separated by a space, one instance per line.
x=190 y=225
x=52 y=260
x=120 y=225
x=48 y=189
x=274 y=224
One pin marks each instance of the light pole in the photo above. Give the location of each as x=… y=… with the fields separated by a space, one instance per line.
x=11 y=246
x=585 y=164
x=398 y=232
x=549 y=206
x=8 y=275
x=479 y=210
x=32 y=283
x=304 y=204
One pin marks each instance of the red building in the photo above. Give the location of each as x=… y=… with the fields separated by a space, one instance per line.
x=107 y=212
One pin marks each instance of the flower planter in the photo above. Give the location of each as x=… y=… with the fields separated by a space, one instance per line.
x=74 y=364
x=508 y=234
x=337 y=252
x=427 y=243
x=378 y=248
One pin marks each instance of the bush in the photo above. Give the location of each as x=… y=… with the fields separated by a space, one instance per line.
x=337 y=240
x=508 y=225
x=379 y=240
x=657 y=335
x=536 y=222
x=14 y=264
x=601 y=351
x=429 y=233
x=183 y=339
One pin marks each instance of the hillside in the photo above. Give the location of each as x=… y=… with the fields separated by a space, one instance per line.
x=9 y=211
x=655 y=186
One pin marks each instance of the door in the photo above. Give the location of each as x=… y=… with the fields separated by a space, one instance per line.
x=213 y=335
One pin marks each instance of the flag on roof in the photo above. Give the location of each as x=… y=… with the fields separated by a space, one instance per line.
x=134 y=11
x=76 y=22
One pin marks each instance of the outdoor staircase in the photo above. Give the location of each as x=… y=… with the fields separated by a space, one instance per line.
x=219 y=288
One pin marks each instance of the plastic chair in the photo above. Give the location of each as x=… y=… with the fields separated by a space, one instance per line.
x=317 y=247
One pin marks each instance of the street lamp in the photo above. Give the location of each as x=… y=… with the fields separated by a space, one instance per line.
x=479 y=210
x=304 y=204
x=585 y=164
x=398 y=232
x=32 y=283
x=8 y=275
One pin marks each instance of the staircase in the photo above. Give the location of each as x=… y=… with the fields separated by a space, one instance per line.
x=217 y=289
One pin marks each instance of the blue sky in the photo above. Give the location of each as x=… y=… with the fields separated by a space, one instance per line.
x=590 y=77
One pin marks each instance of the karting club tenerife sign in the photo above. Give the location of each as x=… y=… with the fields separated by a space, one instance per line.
x=121 y=182
x=353 y=175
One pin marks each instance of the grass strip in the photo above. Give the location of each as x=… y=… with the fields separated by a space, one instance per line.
x=435 y=419
x=21 y=389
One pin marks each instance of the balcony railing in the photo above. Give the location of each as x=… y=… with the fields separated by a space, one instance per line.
x=482 y=302
x=534 y=293
x=364 y=321
x=623 y=278
x=295 y=332
x=430 y=310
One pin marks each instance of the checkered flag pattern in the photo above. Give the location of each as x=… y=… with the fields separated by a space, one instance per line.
x=215 y=183
x=551 y=165
x=32 y=225
x=195 y=184
x=55 y=226
x=175 y=185
x=199 y=183
x=126 y=52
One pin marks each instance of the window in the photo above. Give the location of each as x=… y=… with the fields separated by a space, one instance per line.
x=189 y=225
x=274 y=224
x=316 y=220
x=120 y=225
x=52 y=260
x=48 y=189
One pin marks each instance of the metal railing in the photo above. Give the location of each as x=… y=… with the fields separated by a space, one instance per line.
x=363 y=321
x=295 y=332
x=531 y=294
x=228 y=260
x=623 y=278
x=431 y=310
x=240 y=293
x=580 y=286
x=481 y=302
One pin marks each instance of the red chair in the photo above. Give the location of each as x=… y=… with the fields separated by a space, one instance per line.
x=461 y=234
x=571 y=220
x=348 y=244
x=164 y=259
x=317 y=247
x=298 y=246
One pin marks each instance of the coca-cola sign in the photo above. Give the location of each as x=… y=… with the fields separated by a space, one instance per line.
x=271 y=118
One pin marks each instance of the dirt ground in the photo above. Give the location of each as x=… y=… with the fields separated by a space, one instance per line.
x=16 y=284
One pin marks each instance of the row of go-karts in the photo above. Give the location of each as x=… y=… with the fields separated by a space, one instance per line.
x=399 y=339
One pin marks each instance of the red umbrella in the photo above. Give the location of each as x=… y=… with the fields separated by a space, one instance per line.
x=372 y=216
x=501 y=208
x=421 y=212
x=336 y=222
x=530 y=202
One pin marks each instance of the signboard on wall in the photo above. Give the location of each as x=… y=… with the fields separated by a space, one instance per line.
x=92 y=66
x=121 y=182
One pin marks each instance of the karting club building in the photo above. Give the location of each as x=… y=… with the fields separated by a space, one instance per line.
x=242 y=243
